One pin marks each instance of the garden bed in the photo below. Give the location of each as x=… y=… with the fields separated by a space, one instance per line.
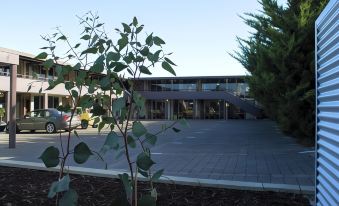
x=30 y=187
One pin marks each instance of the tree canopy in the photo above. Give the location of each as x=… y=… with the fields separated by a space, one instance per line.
x=279 y=55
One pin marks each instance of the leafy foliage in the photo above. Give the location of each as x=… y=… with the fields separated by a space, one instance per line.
x=111 y=98
x=280 y=58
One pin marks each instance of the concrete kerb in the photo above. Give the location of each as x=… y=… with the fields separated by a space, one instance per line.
x=227 y=184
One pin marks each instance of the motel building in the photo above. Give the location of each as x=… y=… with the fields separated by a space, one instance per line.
x=28 y=71
x=220 y=97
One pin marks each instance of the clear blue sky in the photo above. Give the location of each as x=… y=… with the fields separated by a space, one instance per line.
x=199 y=32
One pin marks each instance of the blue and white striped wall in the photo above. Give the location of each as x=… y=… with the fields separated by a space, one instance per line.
x=327 y=91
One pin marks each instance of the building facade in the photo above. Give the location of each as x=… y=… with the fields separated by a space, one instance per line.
x=29 y=72
x=221 y=97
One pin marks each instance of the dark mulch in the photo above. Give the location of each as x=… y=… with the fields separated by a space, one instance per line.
x=30 y=187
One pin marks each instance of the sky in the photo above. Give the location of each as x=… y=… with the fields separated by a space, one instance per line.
x=200 y=33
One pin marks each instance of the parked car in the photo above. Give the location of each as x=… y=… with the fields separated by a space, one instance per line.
x=50 y=120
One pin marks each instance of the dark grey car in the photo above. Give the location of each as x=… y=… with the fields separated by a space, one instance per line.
x=50 y=120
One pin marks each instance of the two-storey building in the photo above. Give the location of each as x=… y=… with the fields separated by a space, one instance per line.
x=207 y=97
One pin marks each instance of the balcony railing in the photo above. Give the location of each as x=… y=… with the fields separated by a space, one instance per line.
x=42 y=78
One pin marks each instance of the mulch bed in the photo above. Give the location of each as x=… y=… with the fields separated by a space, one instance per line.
x=30 y=187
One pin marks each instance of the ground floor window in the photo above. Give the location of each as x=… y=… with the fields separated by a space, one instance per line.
x=183 y=109
x=53 y=102
x=38 y=102
x=156 y=109
x=193 y=109
x=214 y=109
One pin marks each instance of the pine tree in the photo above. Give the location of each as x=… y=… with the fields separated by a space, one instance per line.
x=280 y=58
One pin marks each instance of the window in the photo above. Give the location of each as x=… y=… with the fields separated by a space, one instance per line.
x=38 y=102
x=53 y=102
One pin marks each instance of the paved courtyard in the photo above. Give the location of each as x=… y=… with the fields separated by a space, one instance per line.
x=241 y=150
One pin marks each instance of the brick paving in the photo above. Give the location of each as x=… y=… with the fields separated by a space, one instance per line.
x=241 y=150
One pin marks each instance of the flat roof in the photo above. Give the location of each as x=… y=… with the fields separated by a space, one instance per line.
x=32 y=57
x=191 y=77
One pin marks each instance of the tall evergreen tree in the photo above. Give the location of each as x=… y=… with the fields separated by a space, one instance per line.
x=279 y=55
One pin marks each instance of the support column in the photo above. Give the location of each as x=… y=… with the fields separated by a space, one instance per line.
x=12 y=105
x=8 y=103
x=45 y=101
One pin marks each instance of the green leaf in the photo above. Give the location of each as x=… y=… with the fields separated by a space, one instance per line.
x=50 y=157
x=147 y=200
x=144 y=162
x=61 y=38
x=91 y=89
x=135 y=21
x=168 y=68
x=77 y=45
x=99 y=25
x=139 y=59
x=156 y=55
x=48 y=63
x=81 y=153
x=122 y=42
x=139 y=29
x=91 y=50
x=86 y=101
x=59 y=186
x=101 y=126
x=76 y=133
x=118 y=104
x=69 y=85
x=97 y=68
x=158 y=41
x=131 y=141
x=86 y=37
x=75 y=93
x=105 y=83
x=176 y=129
x=70 y=198
x=126 y=183
x=119 y=67
x=184 y=122
x=111 y=142
x=42 y=55
x=169 y=61
x=151 y=138
x=157 y=175
x=144 y=51
x=149 y=40
x=112 y=56
x=126 y=28
x=143 y=173
x=138 y=129
x=78 y=67
x=94 y=39
x=144 y=70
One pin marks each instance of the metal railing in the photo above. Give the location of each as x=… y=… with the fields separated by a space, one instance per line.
x=28 y=76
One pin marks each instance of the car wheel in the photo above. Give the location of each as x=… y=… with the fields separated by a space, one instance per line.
x=50 y=128
x=84 y=124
